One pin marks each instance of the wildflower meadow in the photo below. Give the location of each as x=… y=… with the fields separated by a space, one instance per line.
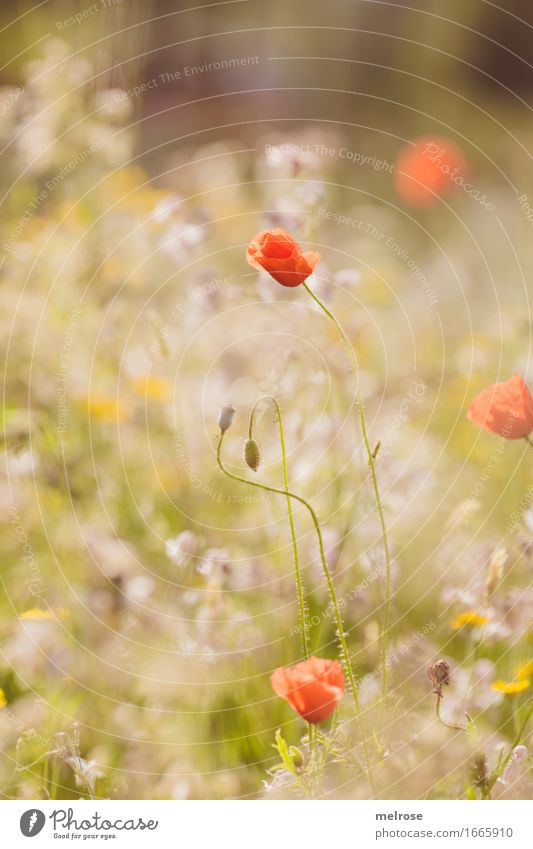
x=266 y=488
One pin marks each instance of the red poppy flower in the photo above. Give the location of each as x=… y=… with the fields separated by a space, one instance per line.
x=430 y=166
x=313 y=687
x=504 y=408
x=278 y=253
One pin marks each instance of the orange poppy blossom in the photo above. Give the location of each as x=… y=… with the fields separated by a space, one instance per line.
x=429 y=166
x=313 y=688
x=279 y=254
x=504 y=408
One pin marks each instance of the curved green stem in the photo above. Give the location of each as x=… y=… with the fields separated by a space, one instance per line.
x=329 y=580
x=304 y=625
x=442 y=721
x=372 y=465
x=327 y=573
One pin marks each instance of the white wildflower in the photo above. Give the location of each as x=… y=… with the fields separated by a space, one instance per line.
x=183 y=549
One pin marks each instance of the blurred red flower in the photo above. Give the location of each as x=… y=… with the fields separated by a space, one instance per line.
x=504 y=408
x=276 y=252
x=428 y=167
x=313 y=687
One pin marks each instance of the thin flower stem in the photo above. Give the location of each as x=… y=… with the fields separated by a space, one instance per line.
x=311 y=735
x=517 y=739
x=55 y=776
x=340 y=628
x=45 y=777
x=475 y=658
x=304 y=625
x=340 y=755
x=372 y=465
x=338 y=554
x=325 y=567
x=442 y=721
x=38 y=760
x=529 y=439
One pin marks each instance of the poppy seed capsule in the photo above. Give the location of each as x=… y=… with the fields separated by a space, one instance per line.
x=252 y=454
x=226 y=417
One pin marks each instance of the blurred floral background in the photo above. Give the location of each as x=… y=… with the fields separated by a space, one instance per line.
x=146 y=598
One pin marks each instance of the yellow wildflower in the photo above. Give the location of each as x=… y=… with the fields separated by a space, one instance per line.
x=525 y=670
x=38 y=614
x=106 y=409
x=469 y=617
x=150 y=386
x=511 y=687
x=3 y=700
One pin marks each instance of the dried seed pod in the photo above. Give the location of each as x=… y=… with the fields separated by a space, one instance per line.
x=439 y=674
x=252 y=454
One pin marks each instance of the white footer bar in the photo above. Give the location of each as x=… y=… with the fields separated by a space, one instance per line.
x=268 y=824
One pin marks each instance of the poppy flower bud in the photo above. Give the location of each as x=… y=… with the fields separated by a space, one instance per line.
x=226 y=417
x=252 y=454
x=439 y=674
